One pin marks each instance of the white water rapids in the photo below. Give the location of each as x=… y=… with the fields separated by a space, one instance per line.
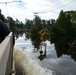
x=27 y=65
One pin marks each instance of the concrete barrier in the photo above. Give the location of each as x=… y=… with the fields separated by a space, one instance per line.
x=6 y=55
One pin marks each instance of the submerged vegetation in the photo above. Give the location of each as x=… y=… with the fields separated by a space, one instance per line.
x=63 y=26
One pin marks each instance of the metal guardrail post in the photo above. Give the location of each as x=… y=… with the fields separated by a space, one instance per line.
x=12 y=58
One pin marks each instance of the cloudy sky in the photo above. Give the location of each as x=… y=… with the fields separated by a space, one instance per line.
x=46 y=9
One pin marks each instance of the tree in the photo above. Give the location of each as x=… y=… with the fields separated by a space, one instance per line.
x=11 y=22
x=63 y=25
x=28 y=23
x=36 y=27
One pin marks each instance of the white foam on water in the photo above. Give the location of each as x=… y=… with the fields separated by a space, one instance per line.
x=27 y=65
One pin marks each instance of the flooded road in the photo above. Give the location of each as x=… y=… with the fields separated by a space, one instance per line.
x=60 y=55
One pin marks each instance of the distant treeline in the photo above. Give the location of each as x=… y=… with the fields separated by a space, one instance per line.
x=63 y=26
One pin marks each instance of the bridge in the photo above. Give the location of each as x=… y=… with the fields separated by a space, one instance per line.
x=6 y=56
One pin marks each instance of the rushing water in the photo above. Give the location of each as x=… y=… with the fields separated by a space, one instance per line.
x=57 y=60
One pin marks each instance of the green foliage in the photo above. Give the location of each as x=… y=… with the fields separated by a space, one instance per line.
x=28 y=24
x=35 y=37
x=65 y=25
x=55 y=32
x=14 y=23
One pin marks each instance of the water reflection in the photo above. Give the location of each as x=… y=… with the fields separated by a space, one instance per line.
x=17 y=35
x=42 y=54
x=65 y=46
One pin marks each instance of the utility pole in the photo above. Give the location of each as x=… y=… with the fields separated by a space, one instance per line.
x=38 y=13
x=7 y=3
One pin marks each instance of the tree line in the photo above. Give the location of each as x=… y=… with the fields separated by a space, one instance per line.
x=63 y=26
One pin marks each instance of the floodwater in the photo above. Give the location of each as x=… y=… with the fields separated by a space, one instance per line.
x=60 y=57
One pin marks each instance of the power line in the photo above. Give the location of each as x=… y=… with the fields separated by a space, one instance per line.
x=57 y=5
x=61 y=6
x=51 y=6
x=6 y=5
x=43 y=11
x=9 y=2
x=7 y=10
x=51 y=2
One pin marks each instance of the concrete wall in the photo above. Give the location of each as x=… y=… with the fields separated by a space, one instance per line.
x=6 y=55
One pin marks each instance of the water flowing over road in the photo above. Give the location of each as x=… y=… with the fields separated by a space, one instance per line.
x=27 y=60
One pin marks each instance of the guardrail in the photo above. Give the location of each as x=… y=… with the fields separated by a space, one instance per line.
x=6 y=55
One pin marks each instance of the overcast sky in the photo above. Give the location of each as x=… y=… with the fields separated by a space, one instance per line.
x=46 y=9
